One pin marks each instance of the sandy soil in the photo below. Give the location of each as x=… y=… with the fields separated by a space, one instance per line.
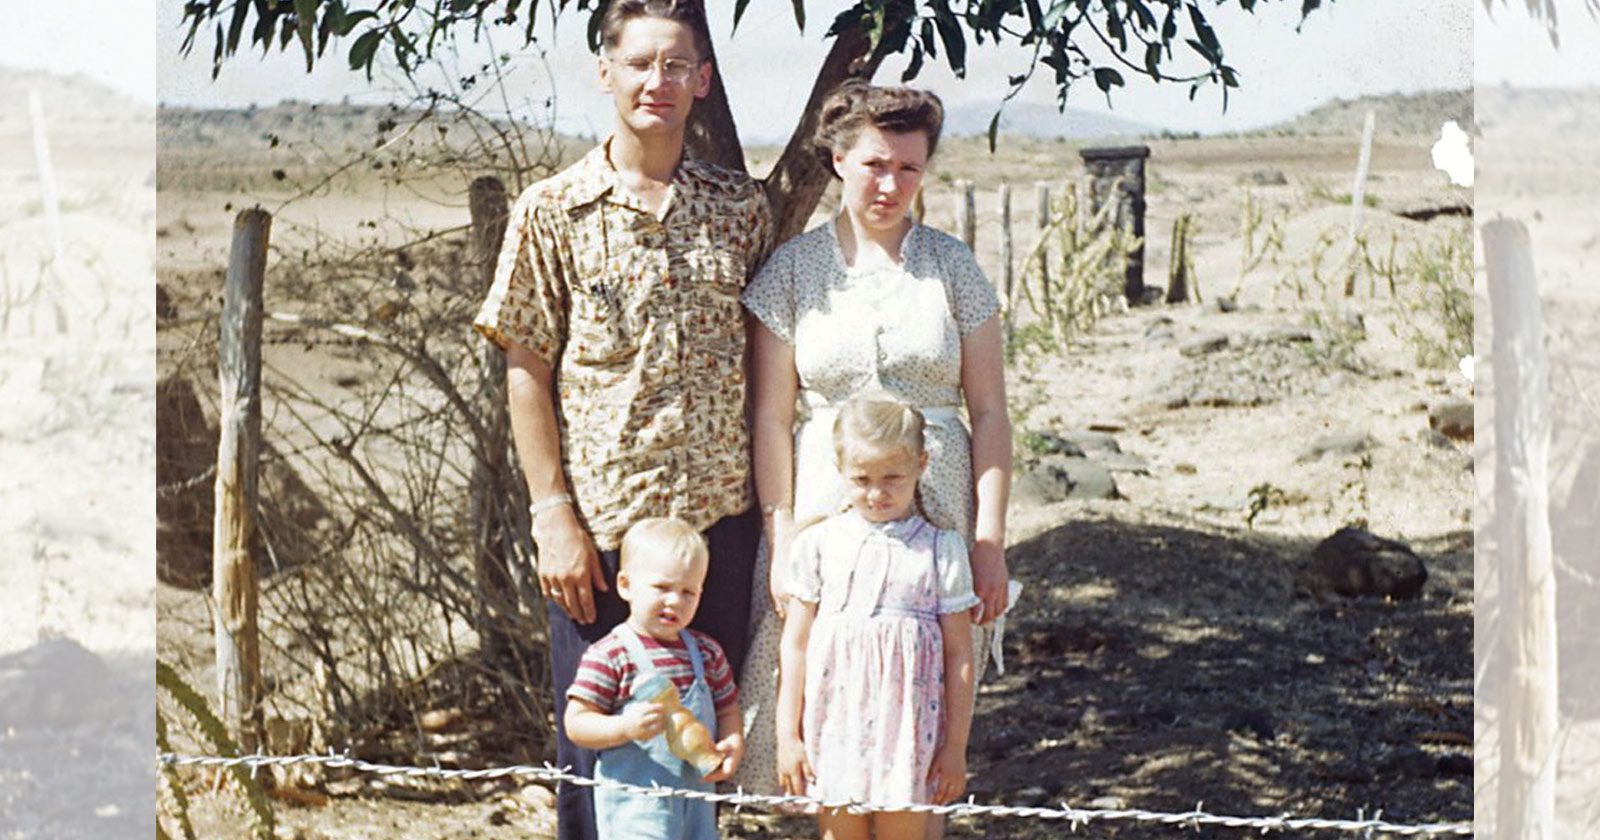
x=1158 y=658
x=77 y=441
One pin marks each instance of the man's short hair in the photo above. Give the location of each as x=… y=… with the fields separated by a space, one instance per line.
x=686 y=12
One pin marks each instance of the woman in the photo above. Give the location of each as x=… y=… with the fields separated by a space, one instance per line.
x=872 y=301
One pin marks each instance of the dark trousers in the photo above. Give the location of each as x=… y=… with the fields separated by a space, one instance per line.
x=724 y=615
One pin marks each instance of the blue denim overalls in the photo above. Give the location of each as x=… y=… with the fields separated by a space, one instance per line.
x=620 y=815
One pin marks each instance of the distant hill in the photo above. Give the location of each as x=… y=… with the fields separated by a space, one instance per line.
x=1408 y=114
x=1032 y=119
x=65 y=99
x=1540 y=111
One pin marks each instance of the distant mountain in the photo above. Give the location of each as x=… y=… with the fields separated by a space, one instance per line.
x=1032 y=119
x=1395 y=113
x=65 y=99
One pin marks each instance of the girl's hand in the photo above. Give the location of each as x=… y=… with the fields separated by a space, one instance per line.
x=947 y=778
x=794 y=772
x=989 y=581
x=732 y=749
x=642 y=721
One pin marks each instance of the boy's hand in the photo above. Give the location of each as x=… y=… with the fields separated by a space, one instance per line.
x=794 y=772
x=947 y=778
x=732 y=749
x=642 y=721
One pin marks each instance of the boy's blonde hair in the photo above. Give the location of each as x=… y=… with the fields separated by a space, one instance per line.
x=672 y=537
x=878 y=419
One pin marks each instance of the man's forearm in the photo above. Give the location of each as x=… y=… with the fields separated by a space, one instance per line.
x=530 y=397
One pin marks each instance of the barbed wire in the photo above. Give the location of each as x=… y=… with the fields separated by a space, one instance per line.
x=178 y=487
x=1075 y=817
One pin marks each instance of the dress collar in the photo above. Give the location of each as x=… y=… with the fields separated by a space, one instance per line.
x=900 y=530
x=838 y=249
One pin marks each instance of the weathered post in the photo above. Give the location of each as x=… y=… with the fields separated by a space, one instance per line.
x=1041 y=193
x=1178 y=261
x=1117 y=175
x=1358 y=199
x=1525 y=807
x=1006 y=255
x=966 y=214
x=234 y=584
x=494 y=513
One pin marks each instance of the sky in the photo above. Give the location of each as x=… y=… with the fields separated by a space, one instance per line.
x=1346 y=49
x=109 y=41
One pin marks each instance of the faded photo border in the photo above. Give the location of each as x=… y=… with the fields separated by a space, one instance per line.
x=77 y=421
x=1537 y=741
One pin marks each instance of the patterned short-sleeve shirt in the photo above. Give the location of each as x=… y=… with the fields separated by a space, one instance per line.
x=638 y=315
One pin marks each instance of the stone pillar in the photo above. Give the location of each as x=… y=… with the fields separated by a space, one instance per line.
x=1116 y=173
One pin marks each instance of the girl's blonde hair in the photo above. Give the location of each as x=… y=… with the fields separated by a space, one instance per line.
x=879 y=420
x=664 y=536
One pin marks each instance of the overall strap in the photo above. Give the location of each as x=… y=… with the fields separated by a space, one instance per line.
x=636 y=652
x=694 y=655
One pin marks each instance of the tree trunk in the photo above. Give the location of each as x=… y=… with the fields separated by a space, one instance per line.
x=1525 y=809
x=798 y=179
x=711 y=135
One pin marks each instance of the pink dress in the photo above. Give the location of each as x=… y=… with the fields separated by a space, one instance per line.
x=874 y=691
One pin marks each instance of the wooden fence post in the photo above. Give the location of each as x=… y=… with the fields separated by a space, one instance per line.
x=1178 y=261
x=234 y=587
x=1041 y=192
x=493 y=500
x=966 y=214
x=1007 y=272
x=1358 y=199
x=1528 y=724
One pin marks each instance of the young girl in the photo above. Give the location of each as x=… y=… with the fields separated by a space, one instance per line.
x=875 y=697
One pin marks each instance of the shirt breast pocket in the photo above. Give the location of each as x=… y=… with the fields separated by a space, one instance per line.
x=604 y=323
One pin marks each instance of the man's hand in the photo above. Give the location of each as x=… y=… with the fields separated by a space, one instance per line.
x=989 y=581
x=569 y=565
x=642 y=721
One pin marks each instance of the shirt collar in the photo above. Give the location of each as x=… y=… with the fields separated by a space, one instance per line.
x=596 y=178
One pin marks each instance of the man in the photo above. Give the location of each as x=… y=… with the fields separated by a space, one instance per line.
x=616 y=299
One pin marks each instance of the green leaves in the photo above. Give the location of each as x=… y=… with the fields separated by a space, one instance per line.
x=363 y=50
x=1121 y=35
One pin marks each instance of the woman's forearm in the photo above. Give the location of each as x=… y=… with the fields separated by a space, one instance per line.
x=983 y=384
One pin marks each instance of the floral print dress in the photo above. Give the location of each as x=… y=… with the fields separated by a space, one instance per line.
x=874 y=690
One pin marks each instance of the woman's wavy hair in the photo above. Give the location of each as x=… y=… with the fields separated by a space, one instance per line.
x=855 y=105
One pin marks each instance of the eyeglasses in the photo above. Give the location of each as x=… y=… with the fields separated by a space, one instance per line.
x=674 y=71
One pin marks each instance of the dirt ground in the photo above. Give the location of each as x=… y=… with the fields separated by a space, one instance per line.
x=1157 y=658
x=77 y=441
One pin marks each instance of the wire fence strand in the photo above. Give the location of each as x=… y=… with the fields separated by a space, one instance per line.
x=1075 y=817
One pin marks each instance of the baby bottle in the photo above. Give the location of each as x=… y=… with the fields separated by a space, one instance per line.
x=687 y=737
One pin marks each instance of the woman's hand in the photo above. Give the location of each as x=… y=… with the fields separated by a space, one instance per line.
x=990 y=581
x=778 y=544
x=947 y=778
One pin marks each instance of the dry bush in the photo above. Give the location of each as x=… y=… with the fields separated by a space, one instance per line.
x=383 y=422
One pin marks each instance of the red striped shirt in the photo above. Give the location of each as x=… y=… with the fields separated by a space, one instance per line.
x=606 y=673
